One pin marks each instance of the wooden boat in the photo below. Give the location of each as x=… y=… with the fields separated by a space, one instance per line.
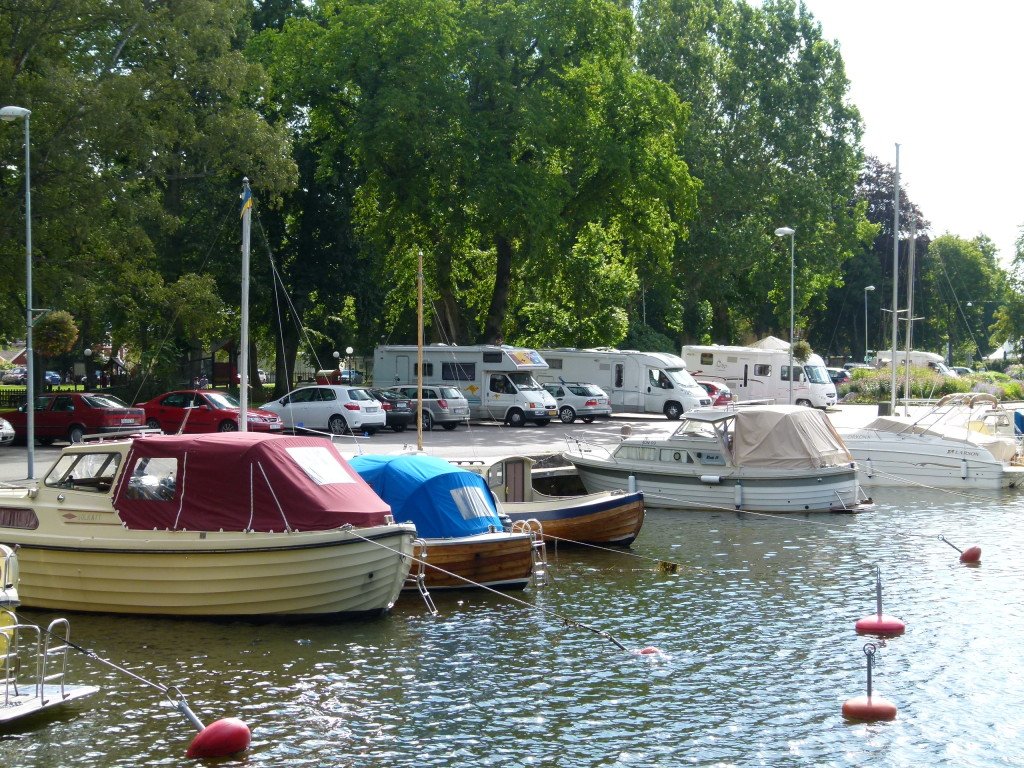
x=759 y=458
x=605 y=518
x=457 y=521
x=34 y=659
x=220 y=524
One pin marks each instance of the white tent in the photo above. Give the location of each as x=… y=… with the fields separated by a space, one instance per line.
x=1003 y=352
x=771 y=342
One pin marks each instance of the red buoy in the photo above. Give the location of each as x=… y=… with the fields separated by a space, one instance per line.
x=869 y=709
x=971 y=555
x=881 y=625
x=650 y=650
x=220 y=739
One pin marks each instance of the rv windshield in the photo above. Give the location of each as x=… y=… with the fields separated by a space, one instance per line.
x=816 y=374
x=524 y=381
x=682 y=377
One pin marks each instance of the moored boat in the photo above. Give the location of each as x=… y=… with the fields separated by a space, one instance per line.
x=759 y=458
x=222 y=524
x=457 y=520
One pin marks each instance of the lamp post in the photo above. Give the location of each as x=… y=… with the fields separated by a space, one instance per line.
x=8 y=114
x=866 y=289
x=87 y=385
x=791 y=233
x=348 y=362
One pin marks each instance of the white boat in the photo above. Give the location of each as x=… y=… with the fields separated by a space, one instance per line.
x=964 y=441
x=758 y=458
x=220 y=524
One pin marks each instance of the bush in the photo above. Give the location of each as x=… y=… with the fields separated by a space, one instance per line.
x=871 y=386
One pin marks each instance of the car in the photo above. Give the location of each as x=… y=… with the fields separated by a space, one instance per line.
x=442 y=405
x=719 y=393
x=577 y=399
x=52 y=378
x=851 y=366
x=15 y=376
x=204 y=410
x=962 y=370
x=398 y=410
x=838 y=375
x=6 y=432
x=329 y=408
x=71 y=415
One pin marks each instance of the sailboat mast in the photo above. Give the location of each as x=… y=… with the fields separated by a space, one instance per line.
x=895 y=280
x=910 y=312
x=419 y=350
x=243 y=337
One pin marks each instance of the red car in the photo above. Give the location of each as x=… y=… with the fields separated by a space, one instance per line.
x=720 y=394
x=204 y=410
x=70 y=415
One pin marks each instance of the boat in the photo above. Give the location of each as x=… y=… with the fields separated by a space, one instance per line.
x=465 y=542
x=608 y=518
x=240 y=524
x=767 y=458
x=964 y=441
x=34 y=659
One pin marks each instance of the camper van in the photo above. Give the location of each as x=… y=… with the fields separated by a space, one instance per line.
x=932 y=360
x=497 y=381
x=636 y=382
x=762 y=374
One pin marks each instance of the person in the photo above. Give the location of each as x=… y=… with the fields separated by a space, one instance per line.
x=203 y=382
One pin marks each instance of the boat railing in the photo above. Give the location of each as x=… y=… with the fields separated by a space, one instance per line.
x=579 y=445
x=539 y=549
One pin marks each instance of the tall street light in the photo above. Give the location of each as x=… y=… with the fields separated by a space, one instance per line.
x=866 y=289
x=8 y=114
x=783 y=232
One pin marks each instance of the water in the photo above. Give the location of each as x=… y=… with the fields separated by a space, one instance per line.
x=756 y=629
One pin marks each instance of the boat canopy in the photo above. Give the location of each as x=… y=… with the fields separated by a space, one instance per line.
x=785 y=436
x=242 y=481
x=444 y=501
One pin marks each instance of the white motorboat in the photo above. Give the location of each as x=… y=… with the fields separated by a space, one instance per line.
x=221 y=524
x=757 y=458
x=964 y=441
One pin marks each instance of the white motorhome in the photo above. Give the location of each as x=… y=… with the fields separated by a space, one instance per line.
x=497 y=381
x=636 y=382
x=762 y=374
x=933 y=360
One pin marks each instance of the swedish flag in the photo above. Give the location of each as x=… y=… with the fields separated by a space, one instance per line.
x=246 y=201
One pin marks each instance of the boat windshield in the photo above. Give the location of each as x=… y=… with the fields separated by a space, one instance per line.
x=816 y=374
x=525 y=382
x=681 y=377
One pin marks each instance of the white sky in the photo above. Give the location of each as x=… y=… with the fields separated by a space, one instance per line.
x=942 y=79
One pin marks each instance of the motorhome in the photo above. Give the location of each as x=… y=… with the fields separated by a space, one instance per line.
x=932 y=360
x=636 y=382
x=762 y=374
x=498 y=381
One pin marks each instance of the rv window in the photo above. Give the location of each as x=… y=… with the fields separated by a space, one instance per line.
x=458 y=371
x=707 y=358
x=760 y=369
x=493 y=357
x=798 y=373
x=619 y=375
x=502 y=385
x=428 y=369
x=554 y=363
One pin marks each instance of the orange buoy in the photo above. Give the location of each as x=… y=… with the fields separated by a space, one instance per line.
x=220 y=739
x=869 y=708
x=969 y=556
x=650 y=650
x=880 y=624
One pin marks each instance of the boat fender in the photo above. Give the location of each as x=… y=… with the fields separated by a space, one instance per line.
x=711 y=479
x=220 y=738
x=963 y=469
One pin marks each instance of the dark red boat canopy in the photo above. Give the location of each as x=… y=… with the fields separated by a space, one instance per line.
x=237 y=481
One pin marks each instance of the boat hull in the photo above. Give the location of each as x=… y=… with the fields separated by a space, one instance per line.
x=182 y=573
x=496 y=560
x=606 y=518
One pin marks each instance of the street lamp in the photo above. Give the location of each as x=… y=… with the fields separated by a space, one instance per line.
x=866 y=289
x=348 y=361
x=791 y=233
x=8 y=114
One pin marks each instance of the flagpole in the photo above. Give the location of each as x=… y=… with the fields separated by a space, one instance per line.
x=243 y=358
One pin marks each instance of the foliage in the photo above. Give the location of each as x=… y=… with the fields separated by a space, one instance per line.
x=801 y=351
x=645 y=338
x=873 y=385
x=54 y=333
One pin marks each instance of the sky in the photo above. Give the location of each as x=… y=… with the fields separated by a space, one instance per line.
x=943 y=80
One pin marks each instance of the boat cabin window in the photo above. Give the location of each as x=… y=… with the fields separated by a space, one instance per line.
x=637 y=452
x=471 y=502
x=84 y=472
x=154 y=479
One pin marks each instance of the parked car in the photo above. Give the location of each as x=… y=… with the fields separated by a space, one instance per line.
x=851 y=366
x=580 y=399
x=52 y=378
x=398 y=411
x=719 y=393
x=446 y=406
x=962 y=370
x=838 y=375
x=198 y=410
x=6 y=432
x=15 y=376
x=329 y=408
x=70 y=415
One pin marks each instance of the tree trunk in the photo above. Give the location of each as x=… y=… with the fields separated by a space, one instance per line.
x=499 y=298
x=451 y=330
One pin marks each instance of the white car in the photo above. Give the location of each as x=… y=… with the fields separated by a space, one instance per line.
x=580 y=399
x=6 y=432
x=329 y=408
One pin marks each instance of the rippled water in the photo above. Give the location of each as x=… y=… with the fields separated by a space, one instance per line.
x=756 y=629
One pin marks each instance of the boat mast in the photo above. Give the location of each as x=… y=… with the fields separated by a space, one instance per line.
x=895 y=280
x=910 y=313
x=419 y=350
x=243 y=358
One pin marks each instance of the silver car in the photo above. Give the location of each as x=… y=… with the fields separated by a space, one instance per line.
x=442 y=405
x=580 y=399
x=6 y=432
x=329 y=408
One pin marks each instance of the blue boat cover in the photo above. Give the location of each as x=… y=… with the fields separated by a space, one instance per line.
x=443 y=500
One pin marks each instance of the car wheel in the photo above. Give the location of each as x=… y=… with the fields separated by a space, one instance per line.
x=370 y=431
x=228 y=426
x=75 y=434
x=804 y=403
x=515 y=418
x=152 y=423
x=337 y=425
x=428 y=421
x=44 y=440
x=673 y=411
x=588 y=419
x=398 y=427
x=450 y=426
x=542 y=422
x=566 y=415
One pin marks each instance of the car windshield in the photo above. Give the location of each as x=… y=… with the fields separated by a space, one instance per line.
x=104 y=401
x=223 y=401
x=525 y=381
x=816 y=374
x=681 y=376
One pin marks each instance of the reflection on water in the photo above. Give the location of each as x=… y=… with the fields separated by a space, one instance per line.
x=756 y=629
